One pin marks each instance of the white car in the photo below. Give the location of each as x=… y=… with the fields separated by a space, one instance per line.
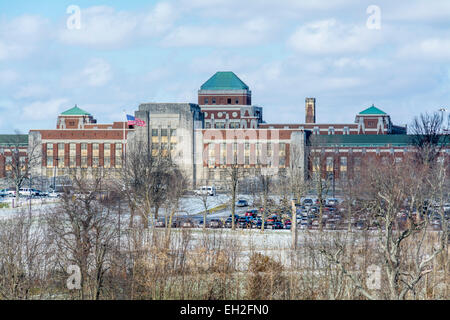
x=54 y=194
x=9 y=192
x=209 y=190
x=28 y=192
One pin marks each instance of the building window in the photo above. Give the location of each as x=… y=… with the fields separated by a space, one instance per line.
x=331 y=130
x=237 y=101
x=223 y=153
x=154 y=132
x=229 y=101
x=72 y=155
x=118 y=155
x=50 y=155
x=207 y=124
x=61 y=155
x=206 y=100
x=330 y=164
x=84 y=148
x=95 y=155
x=211 y=155
x=214 y=101
x=107 y=155
x=220 y=125
x=346 y=130
x=343 y=164
x=316 y=130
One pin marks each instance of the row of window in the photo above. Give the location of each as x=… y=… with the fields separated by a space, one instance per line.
x=95 y=155
x=233 y=154
x=331 y=130
x=213 y=100
x=221 y=125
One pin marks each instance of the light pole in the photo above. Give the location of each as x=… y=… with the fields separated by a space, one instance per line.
x=54 y=174
x=443 y=110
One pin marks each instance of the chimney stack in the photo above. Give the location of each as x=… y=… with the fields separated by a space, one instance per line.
x=310 y=110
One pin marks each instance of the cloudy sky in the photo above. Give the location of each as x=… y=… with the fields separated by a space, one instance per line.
x=129 y=52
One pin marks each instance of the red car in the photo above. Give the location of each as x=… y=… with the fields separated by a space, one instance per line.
x=251 y=213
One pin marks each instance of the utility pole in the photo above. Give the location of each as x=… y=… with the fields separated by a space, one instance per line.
x=294 y=226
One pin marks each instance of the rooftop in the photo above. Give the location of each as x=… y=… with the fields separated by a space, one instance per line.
x=372 y=110
x=75 y=111
x=224 y=80
x=13 y=139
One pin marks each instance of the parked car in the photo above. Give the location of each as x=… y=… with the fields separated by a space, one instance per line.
x=187 y=224
x=242 y=203
x=277 y=225
x=288 y=224
x=259 y=224
x=160 y=224
x=330 y=225
x=332 y=201
x=206 y=190
x=308 y=202
x=360 y=225
x=215 y=223
x=228 y=222
x=273 y=218
x=53 y=194
x=244 y=222
x=251 y=213
x=304 y=224
x=9 y=192
x=29 y=192
x=315 y=224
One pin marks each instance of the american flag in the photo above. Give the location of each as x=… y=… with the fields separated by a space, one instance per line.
x=135 y=121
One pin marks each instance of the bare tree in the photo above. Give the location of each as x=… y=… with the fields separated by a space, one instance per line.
x=407 y=253
x=24 y=157
x=144 y=179
x=23 y=253
x=84 y=233
x=320 y=181
x=429 y=137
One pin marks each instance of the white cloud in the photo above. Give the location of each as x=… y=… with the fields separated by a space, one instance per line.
x=101 y=26
x=159 y=20
x=333 y=37
x=8 y=77
x=254 y=31
x=417 y=11
x=31 y=91
x=431 y=49
x=104 y=27
x=20 y=36
x=41 y=110
x=97 y=73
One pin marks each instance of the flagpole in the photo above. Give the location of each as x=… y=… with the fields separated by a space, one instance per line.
x=124 y=148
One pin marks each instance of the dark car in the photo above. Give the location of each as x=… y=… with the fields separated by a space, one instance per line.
x=244 y=222
x=259 y=224
x=228 y=222
x=288 y=224
x=242 y=203
x=215 y=223
x=277 y=225
x=271 y=219
x=251 y=213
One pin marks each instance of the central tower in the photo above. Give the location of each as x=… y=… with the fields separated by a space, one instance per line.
x=226 y=102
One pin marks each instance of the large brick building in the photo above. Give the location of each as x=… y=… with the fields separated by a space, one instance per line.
x=79 y=144
x=222 y=129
